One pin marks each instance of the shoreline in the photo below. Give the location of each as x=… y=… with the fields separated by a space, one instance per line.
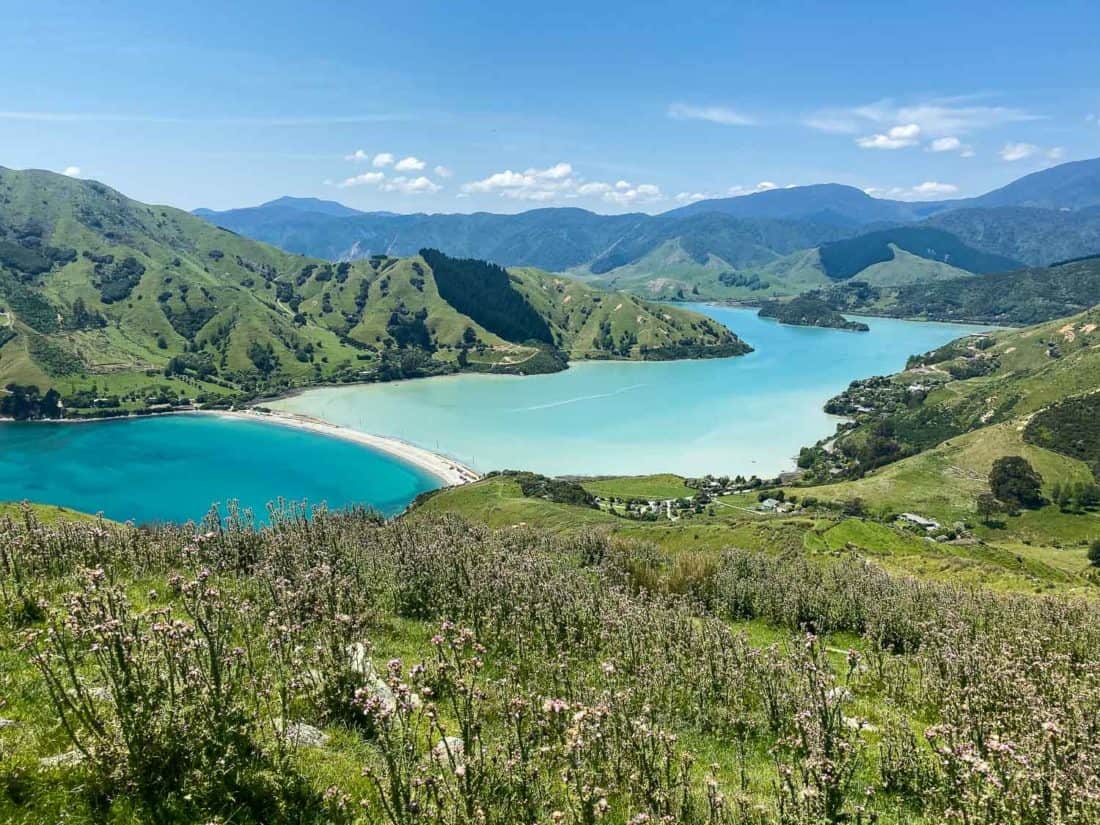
x=736 y=304
x=452 y=473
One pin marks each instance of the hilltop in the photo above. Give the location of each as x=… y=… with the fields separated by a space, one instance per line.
x=116 y=304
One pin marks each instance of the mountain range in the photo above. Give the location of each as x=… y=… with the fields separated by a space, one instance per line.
x=767 y=244
x=110 y=303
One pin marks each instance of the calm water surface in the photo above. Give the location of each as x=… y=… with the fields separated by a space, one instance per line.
x=734 y=415
x=173 y=468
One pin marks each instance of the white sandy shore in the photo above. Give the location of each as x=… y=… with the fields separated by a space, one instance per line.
x=450 y=472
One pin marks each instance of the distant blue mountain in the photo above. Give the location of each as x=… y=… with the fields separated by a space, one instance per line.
x=1045 y=216
x=835 y=202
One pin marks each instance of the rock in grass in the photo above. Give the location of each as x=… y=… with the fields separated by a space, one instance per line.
x=307 y=736
x=7 y=723
x=360 y=663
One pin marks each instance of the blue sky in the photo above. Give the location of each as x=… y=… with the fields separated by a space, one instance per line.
x=503 y=106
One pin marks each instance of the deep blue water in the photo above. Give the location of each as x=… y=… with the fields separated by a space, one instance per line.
x=173 y=468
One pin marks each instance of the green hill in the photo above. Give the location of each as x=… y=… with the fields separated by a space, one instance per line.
x=972 y=384
x=847 y=258
x=119 y=305
x=1025 y=296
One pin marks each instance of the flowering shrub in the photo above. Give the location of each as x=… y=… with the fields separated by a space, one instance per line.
x=468 y=676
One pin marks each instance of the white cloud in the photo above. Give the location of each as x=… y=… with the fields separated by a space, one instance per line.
x=71 y=171
x=940 y=117
x=765 y=185
x=713 y=114
x=594 y=188
x=410 y=164
x=951 y=144
x=443 y=171
x=628 y=195
x=1018 y=151
x=410 y=186
x=358 y=156
x=365 y=179
x=531 y=184
x=382 y=159
x=933 y=188
x=559 y=182
x=1012 y=152
x=898 y=137
x=690 y=197
x=930 y=189
x=559 y=171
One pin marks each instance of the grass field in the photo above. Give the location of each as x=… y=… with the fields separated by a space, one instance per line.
x=1034 y=551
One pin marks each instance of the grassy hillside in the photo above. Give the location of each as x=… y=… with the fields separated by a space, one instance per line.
x=119 y=305
x=339 y=671
x=973 y=383
x=1025 y=296
x=1033 y=551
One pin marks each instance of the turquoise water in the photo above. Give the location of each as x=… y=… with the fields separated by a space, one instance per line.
x=728 y=416
x=173 y=468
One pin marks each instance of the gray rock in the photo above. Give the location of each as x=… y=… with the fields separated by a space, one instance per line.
x=306 y=736
x=360 y=663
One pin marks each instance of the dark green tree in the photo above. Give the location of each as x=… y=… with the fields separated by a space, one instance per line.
x=1015 y=482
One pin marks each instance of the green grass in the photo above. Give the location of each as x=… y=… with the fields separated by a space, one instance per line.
x=1033 y=551
x=45 y=513
x=659 y=486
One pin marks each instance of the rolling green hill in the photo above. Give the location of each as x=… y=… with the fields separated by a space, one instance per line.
x=1025 y=296
x=968 y=386
x=118 y=305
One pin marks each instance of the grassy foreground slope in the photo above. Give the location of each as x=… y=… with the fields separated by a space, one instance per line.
x=115 y=303
x=338 y=670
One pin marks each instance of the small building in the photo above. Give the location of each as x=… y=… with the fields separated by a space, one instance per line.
x=920 y=521
x=768 y=505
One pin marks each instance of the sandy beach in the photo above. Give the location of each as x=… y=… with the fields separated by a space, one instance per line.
x=450 y=472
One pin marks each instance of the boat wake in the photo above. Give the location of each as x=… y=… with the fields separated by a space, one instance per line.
x=578 y=399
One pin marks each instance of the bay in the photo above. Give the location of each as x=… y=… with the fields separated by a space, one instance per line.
x=173 y=468
x=746 y=415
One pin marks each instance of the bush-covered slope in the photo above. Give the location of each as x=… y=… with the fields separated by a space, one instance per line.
x=847 y=258
x=1026 y=296
x=974 y=383
x=808 y=311
x=1033 y=236
x=120 y=305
